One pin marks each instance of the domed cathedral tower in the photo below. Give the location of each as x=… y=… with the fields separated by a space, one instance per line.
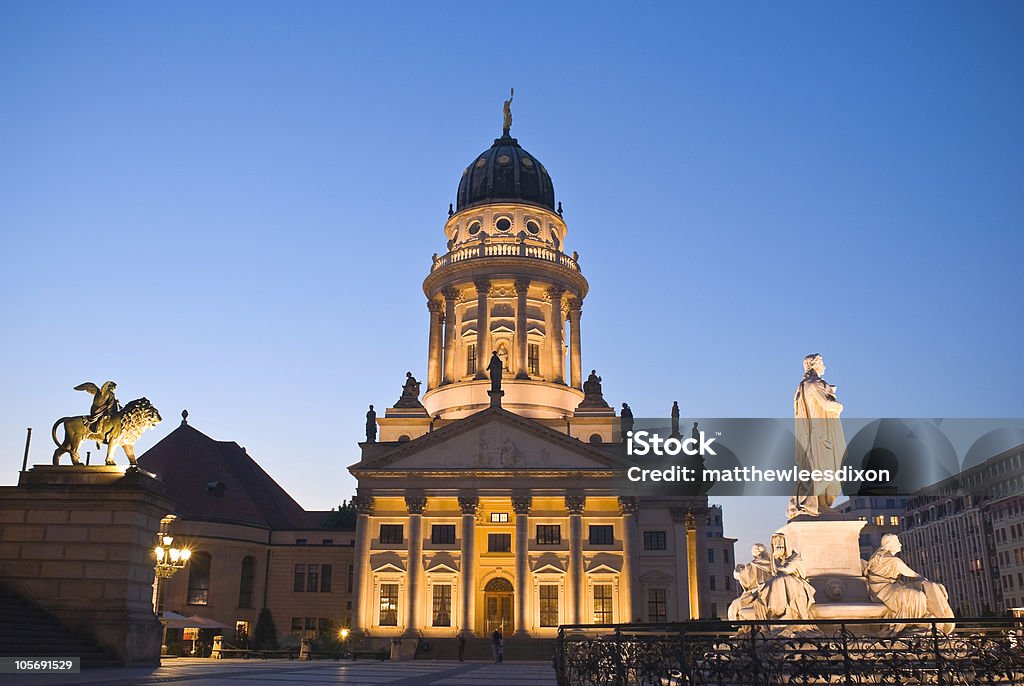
x=505 y=285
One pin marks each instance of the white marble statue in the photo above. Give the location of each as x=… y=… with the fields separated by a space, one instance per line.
x=820 y=443
x=905 y=593
x=787 y=594
x=751 y=578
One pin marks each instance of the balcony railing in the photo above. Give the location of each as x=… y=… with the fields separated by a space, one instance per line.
x=534 y=252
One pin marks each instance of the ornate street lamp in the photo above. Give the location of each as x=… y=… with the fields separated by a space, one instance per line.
x=169 y=559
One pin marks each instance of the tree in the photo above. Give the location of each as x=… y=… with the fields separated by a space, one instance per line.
x=342 y=517
x=265 y=634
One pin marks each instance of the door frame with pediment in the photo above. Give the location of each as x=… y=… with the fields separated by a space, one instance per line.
x=498 y=608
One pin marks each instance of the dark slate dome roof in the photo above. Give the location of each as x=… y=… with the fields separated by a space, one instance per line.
x=505 y=172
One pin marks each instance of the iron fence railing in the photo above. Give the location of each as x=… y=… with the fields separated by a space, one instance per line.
x=848 y=652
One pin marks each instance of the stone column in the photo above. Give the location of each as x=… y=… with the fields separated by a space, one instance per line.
x=679 y=543
x=362 y=580
x=691 y=556
x=522 y=365
x=467 y=587
x=557 y=327
x=575 y=310
x=450 y=296
x=628 y=585
x=434 y=344
x=521 y=504
x=483 y=325
x=415 y=506
x=575 y=505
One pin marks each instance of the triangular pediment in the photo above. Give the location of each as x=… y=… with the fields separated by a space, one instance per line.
x=386 y=562
x=604 y=564
x=493 y=439
x=655 y=575
x=549 y=563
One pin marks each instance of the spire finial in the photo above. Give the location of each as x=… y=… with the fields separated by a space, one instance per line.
x=508 y=113
x=184 y=417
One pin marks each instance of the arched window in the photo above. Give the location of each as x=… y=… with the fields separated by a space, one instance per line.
x=595 y=439
x=245 y=586
x=199 y=579
x=498 y=585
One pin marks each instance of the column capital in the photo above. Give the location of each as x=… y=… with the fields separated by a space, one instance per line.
x=683 y=515
x=522 y=504
x=450 y=293
x=521 y=285
x=629 y=504
x=415 y=504
x=575 y=503
x=483 y=286
x=363 y=504
x=575 y=305
x=435 y=305
x=469 y=504
x=555 y=292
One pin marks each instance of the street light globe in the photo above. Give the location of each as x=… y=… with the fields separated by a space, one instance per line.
x=344 y=633
x=159 y=552
x=167 y=540
x=185 y=554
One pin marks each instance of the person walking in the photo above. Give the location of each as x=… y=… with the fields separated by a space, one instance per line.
x=496 y=644
x=461 y=640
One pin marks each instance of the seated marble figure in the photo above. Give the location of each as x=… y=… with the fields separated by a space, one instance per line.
x=905 y=593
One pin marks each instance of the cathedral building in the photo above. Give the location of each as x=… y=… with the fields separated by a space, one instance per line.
x=488 y=505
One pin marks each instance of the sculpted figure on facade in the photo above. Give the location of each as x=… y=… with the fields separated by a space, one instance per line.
x=593 y=394
x=507 y=113
x=627 y=419
x=371 y=425
x=904 y=592
x=820 y=443
x=410 y=392
x=751 y=578
x=675 y=419
x=104 y=403
x=787 y=594
x=495 y=368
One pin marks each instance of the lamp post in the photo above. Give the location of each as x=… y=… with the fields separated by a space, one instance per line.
x=169 y=559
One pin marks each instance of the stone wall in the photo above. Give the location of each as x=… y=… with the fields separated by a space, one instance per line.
x=78 y=542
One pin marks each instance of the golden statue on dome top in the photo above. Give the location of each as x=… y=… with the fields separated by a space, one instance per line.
x=508 y=113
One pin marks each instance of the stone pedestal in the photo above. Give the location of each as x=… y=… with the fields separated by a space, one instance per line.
x=78 y=542
x=829 y=546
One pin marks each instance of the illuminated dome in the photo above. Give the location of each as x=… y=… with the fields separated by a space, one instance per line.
x=505 y=172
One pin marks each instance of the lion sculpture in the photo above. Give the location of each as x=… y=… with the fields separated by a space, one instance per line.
x=121 y=429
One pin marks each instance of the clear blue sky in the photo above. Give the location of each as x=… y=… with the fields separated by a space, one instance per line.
x=231 y=206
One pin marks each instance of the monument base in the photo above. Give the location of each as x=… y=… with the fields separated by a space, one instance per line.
x=78 y=542
x=829 y=546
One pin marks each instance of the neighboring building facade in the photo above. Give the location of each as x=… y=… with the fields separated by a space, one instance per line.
x=881 y=514
x=252 y=545
x=480 y=509
x=967 y=532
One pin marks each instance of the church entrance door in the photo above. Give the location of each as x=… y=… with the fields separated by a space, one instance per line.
x=499 y=607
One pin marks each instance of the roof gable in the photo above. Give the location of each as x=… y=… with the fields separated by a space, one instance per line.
x=493 y=439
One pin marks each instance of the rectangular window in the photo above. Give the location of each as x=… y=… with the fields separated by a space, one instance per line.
x=499 y=543
x=602 y=534
x=312 y=578
x=389 y=604
x=654 y=540
x=471 y=359
x=549 y=605
x=894 y=520
x=725 y=555
x=549 y=534
x=711 y=554
x=296 y=625
x=325 y=578
x=442 y=615
x=602 y=604
x=533 y=359
x=714 y=610
x=442 y=534
x=711 y=582
x=392 y=534
x=657 y=605
x=199 y=579
x=351 y=575
x=300 y=578
x=499 y=517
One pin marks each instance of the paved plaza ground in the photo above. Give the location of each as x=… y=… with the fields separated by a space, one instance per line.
x=193 y=672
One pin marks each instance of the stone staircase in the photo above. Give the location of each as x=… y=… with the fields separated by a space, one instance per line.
x=535 y=649
x=27 y=631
